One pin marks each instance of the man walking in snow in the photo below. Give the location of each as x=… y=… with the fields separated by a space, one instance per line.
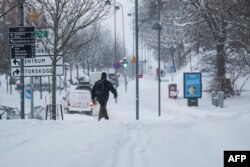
x=100 y=91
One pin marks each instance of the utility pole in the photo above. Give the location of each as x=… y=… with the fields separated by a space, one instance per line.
x=137 y=58
x=124 y=50
x=157 y=26
x=115 y=45
x=159 y=61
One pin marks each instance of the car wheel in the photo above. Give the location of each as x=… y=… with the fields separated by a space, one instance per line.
x=67 y=111
x=91 y=112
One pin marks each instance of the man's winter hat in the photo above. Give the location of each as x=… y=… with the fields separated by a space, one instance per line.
x=104 y=75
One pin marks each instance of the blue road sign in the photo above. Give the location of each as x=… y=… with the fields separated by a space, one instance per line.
x=22 y=42
x=117 y=65
x=27 y=93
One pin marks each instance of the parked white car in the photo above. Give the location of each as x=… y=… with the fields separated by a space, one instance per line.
x=77 y=101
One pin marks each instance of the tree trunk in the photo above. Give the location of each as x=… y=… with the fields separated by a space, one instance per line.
x=71 y=73
x=220 y=64
x=49 y=84
x=54 y=88
x=41 y=91
x=7 y=82
x=88 y=67
x=77 y=71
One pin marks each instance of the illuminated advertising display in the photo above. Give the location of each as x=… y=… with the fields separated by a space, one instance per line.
x=192 y=85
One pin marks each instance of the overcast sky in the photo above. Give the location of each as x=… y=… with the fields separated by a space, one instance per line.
x=128 y=24
x=128 y=6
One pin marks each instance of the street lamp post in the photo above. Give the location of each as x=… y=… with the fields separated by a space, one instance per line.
x=133 y=43
x=123 y=29
x=157 y=26
x=124 y=50
x=115 y=46
x=21 y=12
x=116 y=7
x=137 y=58
x=109 y=3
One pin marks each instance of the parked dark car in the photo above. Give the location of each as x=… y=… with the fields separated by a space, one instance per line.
x=83 y=87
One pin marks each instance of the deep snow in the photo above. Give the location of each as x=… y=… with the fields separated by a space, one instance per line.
x=182 y=136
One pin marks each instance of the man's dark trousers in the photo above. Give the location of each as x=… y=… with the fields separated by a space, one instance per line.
x=103 y=110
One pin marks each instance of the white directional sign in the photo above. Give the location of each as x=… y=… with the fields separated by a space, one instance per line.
x=41 y=65
x=36 y=71
x=38 y=61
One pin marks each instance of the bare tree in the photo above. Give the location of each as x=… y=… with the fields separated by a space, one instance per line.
x=8 y=12
x=214 y=13
x=173 y=29
x=215 y=30
x=240 y=14
x=98 y=52
x=66 y=18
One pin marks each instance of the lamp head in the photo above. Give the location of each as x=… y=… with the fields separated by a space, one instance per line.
x=117 y=7
x=157 y=26
x=107 y=2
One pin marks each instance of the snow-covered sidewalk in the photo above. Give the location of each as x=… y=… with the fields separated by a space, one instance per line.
x=182 y=136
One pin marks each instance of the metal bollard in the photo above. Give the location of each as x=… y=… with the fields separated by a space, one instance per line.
x=213 y=99
x=221 y=98
x=216 y=101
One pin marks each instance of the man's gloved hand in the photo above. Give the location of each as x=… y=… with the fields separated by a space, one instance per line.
x=93 y=101
x=115 y=96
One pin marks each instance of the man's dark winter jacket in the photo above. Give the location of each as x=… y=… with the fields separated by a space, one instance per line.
x=107 y=87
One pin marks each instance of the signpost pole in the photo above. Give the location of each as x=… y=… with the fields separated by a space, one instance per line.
x=22 y=63
x=126 y=82
x=22 y=89
x=172 y=76
x=31 y=98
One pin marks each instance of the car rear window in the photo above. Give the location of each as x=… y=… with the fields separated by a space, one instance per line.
x=79 y=95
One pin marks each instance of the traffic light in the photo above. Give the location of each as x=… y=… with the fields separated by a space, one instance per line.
x=124 y=63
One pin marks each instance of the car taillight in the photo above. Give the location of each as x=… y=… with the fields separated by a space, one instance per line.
x=68 y=102
x=91 y=103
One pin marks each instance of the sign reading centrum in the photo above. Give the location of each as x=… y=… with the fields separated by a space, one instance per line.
x=38 y=61
x=39 y=66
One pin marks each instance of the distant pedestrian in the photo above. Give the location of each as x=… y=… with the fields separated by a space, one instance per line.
x=162 y=73
x=100 y=92
x=157 y=73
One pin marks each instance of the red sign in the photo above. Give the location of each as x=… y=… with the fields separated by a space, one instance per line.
x=140 y=75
